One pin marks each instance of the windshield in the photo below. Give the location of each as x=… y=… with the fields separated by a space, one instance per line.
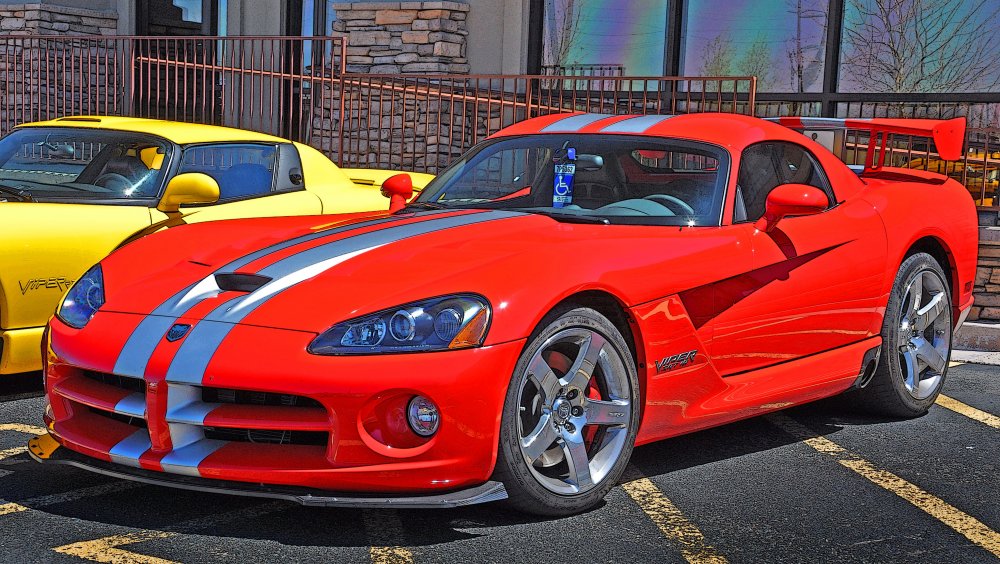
x=82 y=164
x=606 y=178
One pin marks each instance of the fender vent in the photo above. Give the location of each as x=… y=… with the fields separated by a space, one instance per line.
x=240 y=282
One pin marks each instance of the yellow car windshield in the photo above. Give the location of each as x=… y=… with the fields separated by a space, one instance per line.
x=82 y=164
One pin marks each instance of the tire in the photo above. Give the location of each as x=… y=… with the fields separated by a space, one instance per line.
x=916 y=347
x=574 y=396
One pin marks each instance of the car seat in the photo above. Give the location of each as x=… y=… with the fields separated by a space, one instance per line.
x=241 y=180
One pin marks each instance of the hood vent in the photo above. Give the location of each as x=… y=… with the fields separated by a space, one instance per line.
x=234 y=282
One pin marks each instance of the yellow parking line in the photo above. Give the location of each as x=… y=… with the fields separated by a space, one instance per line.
x=962 y=523
x=105 y=549
x=968 y=411
x=12 y=452
x=671 y=522
x=386 y=537
x=21 y=428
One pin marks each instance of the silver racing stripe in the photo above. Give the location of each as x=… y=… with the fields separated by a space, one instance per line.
x=636 y=124
x=139 y=347
x=574 y=123
x=129 y=449
x=185 y=460
x=197 y=350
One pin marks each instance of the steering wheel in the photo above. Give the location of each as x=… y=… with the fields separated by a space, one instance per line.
x=669 y=202
x=114 y=182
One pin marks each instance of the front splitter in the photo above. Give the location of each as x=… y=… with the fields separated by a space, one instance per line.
x=41 y=450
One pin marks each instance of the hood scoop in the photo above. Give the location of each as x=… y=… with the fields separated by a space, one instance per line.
x=235 y=282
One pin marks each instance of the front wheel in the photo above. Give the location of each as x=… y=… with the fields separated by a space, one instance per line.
x=916 y=341
x=570 y=417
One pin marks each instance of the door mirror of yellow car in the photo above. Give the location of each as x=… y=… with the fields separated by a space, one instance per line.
x=398 y=189
x=791 y=199
x=189 y=188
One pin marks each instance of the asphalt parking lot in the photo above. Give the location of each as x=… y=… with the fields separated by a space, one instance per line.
x=814 y=483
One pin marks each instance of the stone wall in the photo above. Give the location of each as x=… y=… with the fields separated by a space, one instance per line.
x=46 y=78
x=48 y=19
x=987 y=290
x=404 y=37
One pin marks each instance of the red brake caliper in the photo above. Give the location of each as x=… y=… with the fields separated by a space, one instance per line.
x=591 y=430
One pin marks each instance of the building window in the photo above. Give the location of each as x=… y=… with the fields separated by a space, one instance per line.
x=317 y=17
x=181 y=17
x=782 y=43
x=910 y=46
x=604 y=37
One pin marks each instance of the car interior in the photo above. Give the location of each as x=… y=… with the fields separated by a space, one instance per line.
x=619 y=177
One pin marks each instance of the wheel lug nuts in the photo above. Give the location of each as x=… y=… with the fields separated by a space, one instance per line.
x=570 y=427
x=577 y=411
x=572 y=394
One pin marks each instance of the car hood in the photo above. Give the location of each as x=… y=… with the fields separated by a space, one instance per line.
x=309 y=273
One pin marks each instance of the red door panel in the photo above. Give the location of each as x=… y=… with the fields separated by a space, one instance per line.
x=814 y=287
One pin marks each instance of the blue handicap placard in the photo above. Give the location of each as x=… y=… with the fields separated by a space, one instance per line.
x=562 y=183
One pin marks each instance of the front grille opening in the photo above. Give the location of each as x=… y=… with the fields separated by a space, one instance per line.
x=121 y=382
x=127 y=419
x=245 y=397
x=268 y=436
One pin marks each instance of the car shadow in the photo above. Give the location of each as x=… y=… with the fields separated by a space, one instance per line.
x=20 y=386
x=150 y=507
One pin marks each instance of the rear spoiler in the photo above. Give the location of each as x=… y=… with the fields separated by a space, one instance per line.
x=948 y=135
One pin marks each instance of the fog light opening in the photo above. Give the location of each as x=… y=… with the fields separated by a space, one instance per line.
x=423 y=416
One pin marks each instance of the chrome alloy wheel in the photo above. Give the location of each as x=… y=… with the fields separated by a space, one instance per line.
x=924 y=337
x=574 y=411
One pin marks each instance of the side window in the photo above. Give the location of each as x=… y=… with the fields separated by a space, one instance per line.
x=242 y=170
x=765 y=166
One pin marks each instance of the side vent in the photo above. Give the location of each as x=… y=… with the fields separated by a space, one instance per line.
x=234 y=282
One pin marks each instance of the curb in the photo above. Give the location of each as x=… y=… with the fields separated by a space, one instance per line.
x=982 y=337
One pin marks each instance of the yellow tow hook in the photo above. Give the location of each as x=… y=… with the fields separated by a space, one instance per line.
x=42 y=446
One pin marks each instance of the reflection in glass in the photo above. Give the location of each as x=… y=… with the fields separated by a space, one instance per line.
x=781 y=42
x=604 y=37
x=920 y=46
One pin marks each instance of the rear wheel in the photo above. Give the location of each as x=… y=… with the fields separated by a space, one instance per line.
x=570 y=416
x=916 y=341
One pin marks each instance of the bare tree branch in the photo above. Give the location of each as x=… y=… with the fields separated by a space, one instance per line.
x=922 y=45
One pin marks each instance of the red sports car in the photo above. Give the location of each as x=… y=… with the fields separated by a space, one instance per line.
x=574 y=286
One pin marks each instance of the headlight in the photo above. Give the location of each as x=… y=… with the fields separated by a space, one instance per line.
x=438 y=324
x=83 y=299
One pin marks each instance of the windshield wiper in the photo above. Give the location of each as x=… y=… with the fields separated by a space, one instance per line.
x=423 y=206
x=21 y=195
x=569 y=217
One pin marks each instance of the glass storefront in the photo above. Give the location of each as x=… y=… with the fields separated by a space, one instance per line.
x=604 y=37
x=781 y=42
x=903 y=46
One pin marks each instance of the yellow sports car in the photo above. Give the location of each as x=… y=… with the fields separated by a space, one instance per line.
x=75 y=188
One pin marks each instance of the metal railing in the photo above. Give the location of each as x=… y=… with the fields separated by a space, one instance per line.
x=423 y=122
x=260 y=83
x=297 y=88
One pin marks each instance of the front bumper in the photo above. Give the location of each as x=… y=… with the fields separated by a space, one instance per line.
x=19 y=350
x=345 y=429
x=46 y=450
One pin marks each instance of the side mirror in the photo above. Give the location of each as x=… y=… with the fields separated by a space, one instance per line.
x=399 y=189
x=188 y=188
x=791 y=199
